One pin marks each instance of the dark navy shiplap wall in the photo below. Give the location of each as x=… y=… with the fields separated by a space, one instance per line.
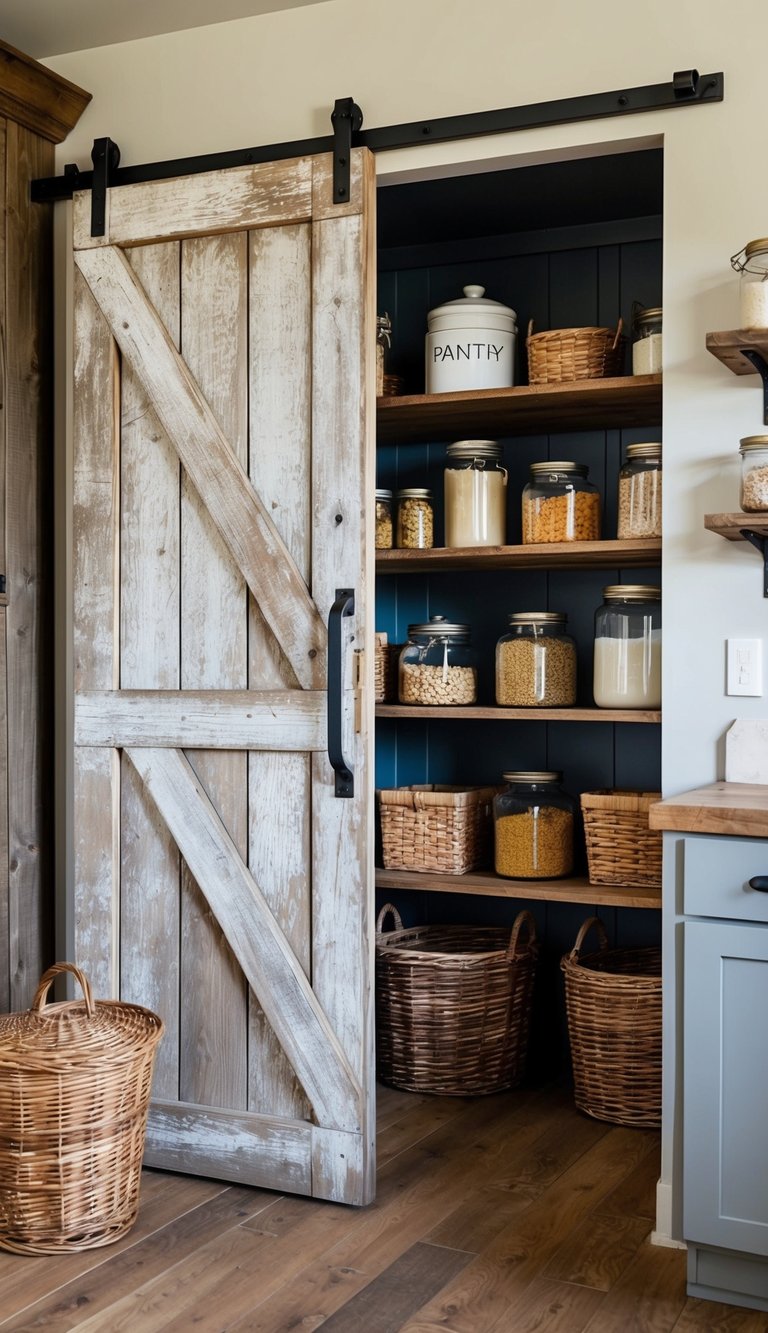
x=577 y=283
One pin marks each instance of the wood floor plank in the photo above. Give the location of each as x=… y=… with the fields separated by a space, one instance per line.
x=418 y=1124
x=555 y=1307
x=649 y=1296
x=551 y=1154
x=395 y=1294
x=598 y=1253
x=712 y=1317
x=635 y=1195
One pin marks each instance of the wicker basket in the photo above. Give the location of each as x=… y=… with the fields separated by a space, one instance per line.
x=385 y=663
x=74 y=1094
x=453 y=1005
x=613 y=1003
x=574 y=354
x=432 y=828
x=621 y=849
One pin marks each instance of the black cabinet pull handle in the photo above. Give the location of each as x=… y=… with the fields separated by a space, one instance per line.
x=760 y=883
x=343 y=606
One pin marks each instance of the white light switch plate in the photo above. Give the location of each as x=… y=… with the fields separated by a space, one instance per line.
x=744 y=671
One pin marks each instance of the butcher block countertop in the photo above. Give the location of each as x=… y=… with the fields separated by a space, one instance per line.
x=738 y=809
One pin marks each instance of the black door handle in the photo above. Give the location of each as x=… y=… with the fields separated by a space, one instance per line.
x=760 y=883
x=343 y=606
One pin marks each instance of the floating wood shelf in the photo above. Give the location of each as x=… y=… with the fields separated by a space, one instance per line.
x=577 y=890
x=729 y=348
x=478 y=713
x=730 y=526
x=546 y=555
x=539 y=409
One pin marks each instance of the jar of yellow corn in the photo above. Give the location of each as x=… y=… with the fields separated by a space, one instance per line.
x=533 y=827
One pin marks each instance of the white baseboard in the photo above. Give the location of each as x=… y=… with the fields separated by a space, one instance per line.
x=663 y=1232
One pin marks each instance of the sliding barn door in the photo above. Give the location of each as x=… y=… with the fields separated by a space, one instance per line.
x=224 y=339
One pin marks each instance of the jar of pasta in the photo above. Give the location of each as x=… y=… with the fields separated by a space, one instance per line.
x=438 y=665
x=560 y=504
x=533 y=827
x=754 y=473
x=536 y=662
x=384 y=527
x=640 y=492
x=415 y=518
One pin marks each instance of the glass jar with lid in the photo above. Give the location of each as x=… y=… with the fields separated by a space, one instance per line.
x=536 y=662
x=646 y=348
x=627 y=667
x=752 y=265
x=384 y=526
x=415 y=518
x=754 y=474
x=560 y=504
x=438 y=665
x=640 y=492
x=533 y=821
x=475 y=494
x=383 y=345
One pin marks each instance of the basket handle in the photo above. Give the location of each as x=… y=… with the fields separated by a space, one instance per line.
x=381 y=918
x=584 y=930
x=619 y=327
x=523 y=919
x=530 y=330
x=47 y=979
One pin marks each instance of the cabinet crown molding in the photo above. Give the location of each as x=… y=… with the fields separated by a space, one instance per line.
x=36 y=98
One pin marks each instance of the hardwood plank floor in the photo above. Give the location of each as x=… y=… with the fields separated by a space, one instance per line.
x=506 y=1214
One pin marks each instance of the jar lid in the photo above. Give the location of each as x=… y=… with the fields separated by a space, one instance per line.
x=573 y=469
x=649 y=313
x=753 y=442
x=632 y=592
x=473 y=310
x=414 y=493
x=532 y=776
x=383 y=495
x=463 y=449
x=644 y=450
x=756 y=247
x=440 y=628
x=537 y=618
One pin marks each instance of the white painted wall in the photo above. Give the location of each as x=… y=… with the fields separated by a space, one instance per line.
x=275 y=78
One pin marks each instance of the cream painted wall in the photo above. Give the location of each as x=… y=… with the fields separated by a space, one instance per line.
x=275 y=78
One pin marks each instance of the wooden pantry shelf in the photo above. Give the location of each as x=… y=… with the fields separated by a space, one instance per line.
x=479 y=713
x=729 y=346
x=731 y=526
x=641 y=553
x=537 y=409
x=487 y=885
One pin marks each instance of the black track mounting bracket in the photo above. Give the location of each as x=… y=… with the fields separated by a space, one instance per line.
x=760 y=541
x=105 y=156
x=761 y=366
x=346 y=119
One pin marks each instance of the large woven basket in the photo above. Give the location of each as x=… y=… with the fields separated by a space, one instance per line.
x=447 y=830
x=613 y=1003
x=74 y=1094
x=621 y=849
x=453 y=1005
x=560 y=355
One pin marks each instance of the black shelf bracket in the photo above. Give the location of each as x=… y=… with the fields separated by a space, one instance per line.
x=760 y=541
x=105 y=156
x=761 y=366
x=347 y=119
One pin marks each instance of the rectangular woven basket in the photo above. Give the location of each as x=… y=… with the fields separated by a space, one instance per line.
x=453 y=1005
x=385 y=663
x=437 y=828
x=621 y=849
x=561 y=355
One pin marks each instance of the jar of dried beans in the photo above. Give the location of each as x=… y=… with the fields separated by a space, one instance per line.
x=533 y=827
x=560 y=504
x=754 y=473
x=415 y=518
x=640 y=492
x=536 y=662
x=384 y=528
x=438 y=665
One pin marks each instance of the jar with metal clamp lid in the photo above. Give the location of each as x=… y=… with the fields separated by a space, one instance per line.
x=415 y=518
x=533 y=822
x=560 y=504
x=383 y=347
x=751 y=264
x=536 y=662
x=754 y=474
x=475 y=494
x=640 y=492
x=438 y=665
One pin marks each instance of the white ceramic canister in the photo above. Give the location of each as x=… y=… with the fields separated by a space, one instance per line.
x=470 y=344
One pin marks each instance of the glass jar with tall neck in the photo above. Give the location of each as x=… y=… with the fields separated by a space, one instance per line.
x=475 y=494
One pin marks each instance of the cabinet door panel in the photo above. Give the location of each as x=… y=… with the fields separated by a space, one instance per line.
x=716 y=878
x=725 y=1169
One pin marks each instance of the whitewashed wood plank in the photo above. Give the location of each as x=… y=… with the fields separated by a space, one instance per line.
x=279 y=468
x=267 y=960
x=214 y=656
x=323 y=203
x=238 y=512
x=208 y=203
x=343 y=464
x=5 y=975
x=203 y=719
x=95 y=518
x=250 y=1149
x=150 y=478
x=339 y=1166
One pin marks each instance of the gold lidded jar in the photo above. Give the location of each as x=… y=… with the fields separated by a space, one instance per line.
x=384 y=525
x=646 y=348
x=438 y=666
x=475 y=494
x=754 y=474
x=560 y=504
x=627 y=658
x=536 y=662
x=640 y=492
x=415 y=518
x=533 y=821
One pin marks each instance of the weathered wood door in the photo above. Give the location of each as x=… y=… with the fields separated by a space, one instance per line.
x=224 y=393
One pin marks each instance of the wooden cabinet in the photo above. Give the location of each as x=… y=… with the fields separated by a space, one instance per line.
x=37 y=110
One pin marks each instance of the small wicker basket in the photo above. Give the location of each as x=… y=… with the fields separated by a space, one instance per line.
x=74 y=1094
x=453 y=1005
x=433 y=828
x=621 y=849
x=561 y=355
x=613 y=1003
x=385 y=664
